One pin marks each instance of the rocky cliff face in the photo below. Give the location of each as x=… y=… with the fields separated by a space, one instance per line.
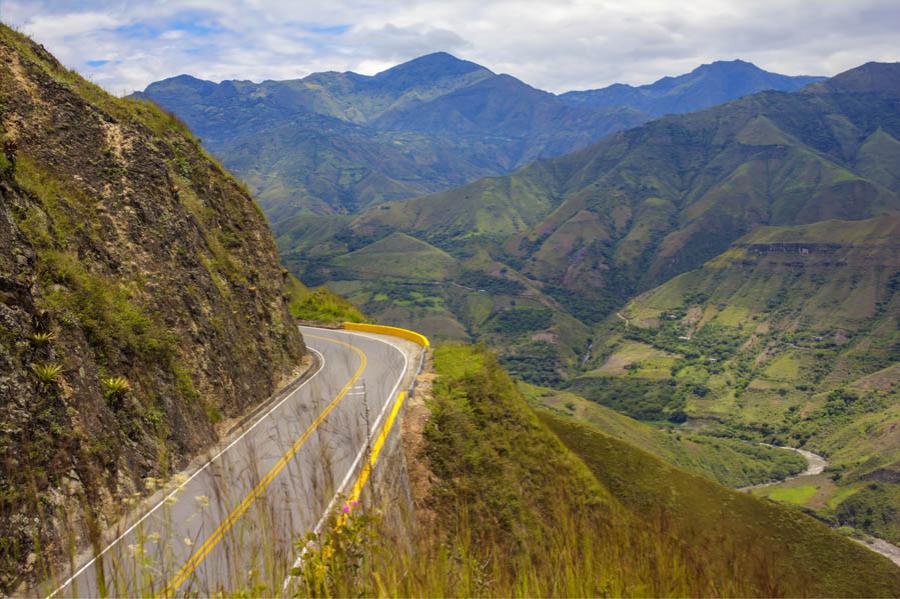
x=140 y=303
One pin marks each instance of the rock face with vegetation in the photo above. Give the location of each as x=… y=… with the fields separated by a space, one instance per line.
x=140 y=304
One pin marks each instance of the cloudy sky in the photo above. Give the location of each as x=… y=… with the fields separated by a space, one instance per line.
x=555 y=44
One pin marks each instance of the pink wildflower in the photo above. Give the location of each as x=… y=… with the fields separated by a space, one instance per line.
x=346 y=509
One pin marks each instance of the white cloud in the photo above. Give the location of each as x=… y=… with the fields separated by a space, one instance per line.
x=552 y=44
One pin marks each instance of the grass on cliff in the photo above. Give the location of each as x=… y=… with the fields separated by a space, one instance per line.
x=520 y=509
x=320 y=304
x=739 y=535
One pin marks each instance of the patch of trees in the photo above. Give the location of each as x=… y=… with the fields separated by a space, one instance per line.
x=492 y=284
x=641 y=399
x=588 y=308
x=873 y=509
x=522 y=320
x=536 y=363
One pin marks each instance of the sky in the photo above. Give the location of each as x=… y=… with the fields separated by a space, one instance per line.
x=556 y=45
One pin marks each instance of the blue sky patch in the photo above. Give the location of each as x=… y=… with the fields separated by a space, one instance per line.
x=329 y=29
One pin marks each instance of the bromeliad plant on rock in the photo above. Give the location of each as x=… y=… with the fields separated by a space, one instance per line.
x=114 y=390
x=47 y=374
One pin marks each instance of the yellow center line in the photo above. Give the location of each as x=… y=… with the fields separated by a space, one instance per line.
x=216 y=536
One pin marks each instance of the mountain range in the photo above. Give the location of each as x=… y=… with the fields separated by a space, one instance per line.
x=340 y=142
x=733 y=268
x=705 y=86
x=722 y=257
x=574 y=237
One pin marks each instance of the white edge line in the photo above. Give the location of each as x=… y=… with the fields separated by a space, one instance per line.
x=177 y=489
x=340 y=490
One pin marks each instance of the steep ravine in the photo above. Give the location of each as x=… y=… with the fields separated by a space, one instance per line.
x=140 y=304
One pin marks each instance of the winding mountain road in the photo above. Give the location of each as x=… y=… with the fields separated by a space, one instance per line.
x=230 y=521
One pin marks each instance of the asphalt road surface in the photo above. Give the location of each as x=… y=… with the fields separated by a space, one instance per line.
x=232 y=521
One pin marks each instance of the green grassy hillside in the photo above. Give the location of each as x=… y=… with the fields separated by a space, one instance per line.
x=802 y=556
x=398 y=256
x=320 y=304
x=515 y=507
x=789 y=337
x=730 y=462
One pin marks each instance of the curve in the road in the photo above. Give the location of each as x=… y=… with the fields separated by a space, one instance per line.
x=173 y=494
x=261 y=486
x=343 y=433
x=361 y=480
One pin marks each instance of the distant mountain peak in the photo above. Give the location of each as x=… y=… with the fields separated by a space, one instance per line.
x=181 y=82
x=185 y=77
x=736 y=65
x=735 y=68
x=707 y=85
x=871 y=77
x=431 y=66
x=733 y=61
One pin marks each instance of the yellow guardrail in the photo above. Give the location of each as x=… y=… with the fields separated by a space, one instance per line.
x=388 y=330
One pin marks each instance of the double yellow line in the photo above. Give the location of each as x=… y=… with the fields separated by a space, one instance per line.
x=198 y=556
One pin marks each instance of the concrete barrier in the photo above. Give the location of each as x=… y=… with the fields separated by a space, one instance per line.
x=386 y=330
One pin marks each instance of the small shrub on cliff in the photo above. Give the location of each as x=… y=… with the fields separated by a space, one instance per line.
x=338 y=562
x=115 y=388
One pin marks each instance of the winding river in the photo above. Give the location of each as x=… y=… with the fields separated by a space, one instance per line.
x=816 y=464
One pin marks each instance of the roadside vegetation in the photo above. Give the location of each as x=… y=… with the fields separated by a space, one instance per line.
x=526 y=504
x=319 y=305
